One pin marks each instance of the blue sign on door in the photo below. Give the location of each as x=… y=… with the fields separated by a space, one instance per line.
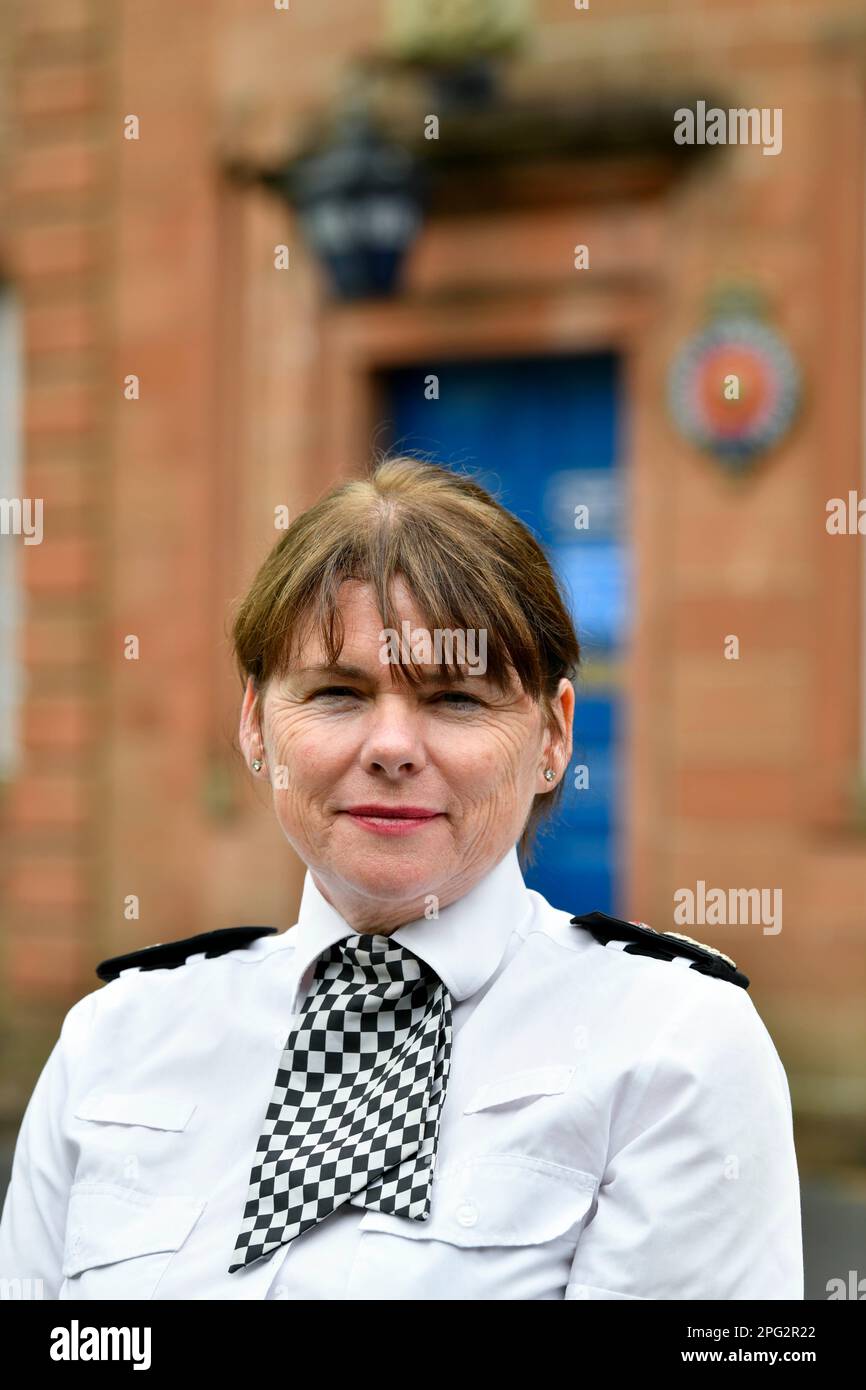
x=547 y=428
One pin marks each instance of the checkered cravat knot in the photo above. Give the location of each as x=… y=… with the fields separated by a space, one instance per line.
x=354 y=1115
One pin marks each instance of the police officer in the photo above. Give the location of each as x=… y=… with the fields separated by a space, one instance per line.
x=435 y=1085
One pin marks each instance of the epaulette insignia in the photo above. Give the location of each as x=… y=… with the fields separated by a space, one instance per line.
x=170 y=954
x=662 y=945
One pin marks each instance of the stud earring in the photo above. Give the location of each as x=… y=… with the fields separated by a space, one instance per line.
x=549 y=773
x=257 y=764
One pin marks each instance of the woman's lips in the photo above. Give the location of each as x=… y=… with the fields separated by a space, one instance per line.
x=382 y=824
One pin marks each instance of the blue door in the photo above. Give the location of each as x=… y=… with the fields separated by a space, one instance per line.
x=547 y=429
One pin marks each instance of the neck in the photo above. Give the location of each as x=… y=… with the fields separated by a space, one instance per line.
x=370 y=917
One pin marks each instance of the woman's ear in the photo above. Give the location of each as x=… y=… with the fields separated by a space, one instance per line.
x=558 y=747
x=249 y=732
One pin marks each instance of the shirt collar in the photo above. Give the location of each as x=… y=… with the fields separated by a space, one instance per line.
x=464 y=944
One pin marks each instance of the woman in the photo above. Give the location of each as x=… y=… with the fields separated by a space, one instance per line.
x=435 y=1085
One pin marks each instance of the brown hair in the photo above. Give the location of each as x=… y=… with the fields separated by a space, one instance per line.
x=469 y=563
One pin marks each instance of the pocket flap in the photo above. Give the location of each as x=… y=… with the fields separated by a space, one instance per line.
x=519 y=1085
x=106 y=1223
x=497 y=1199
x=153 y=1109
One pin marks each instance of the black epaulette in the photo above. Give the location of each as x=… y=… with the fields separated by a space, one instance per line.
x=662 y=945
x=169 y=955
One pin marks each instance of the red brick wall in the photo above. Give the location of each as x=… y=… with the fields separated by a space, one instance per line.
x=56 y=254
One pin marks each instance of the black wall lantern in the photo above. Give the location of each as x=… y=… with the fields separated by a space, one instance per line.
x=360 y=204
x=359 y=196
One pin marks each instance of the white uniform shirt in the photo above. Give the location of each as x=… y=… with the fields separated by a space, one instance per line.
x=614 y=1127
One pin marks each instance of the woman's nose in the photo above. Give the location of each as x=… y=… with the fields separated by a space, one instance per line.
x=393 y=735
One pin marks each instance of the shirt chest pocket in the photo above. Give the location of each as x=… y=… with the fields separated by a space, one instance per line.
x=133 y=1203
x=119 y=1241
x=535 y=1112
x=134 y=1137
x=500 y=1226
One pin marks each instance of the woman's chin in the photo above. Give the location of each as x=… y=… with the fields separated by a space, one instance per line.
x=385 y=866
x=389 y=876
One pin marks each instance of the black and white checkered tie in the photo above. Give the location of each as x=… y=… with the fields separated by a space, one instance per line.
x=355 y=1110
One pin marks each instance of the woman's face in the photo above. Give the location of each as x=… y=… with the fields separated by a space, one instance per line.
x=336 y=741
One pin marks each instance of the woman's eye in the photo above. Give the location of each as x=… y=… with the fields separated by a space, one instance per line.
x=460 y=696
x=447 y=695
x=335 y=690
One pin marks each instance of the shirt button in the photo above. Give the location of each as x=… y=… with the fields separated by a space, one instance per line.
x=467 y=1213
